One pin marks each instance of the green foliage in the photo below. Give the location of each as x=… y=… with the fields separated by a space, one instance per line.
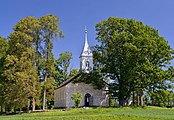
x=49 y=31
x=63 y=62
x=133 y=55
x=3 y=50
x=18 y=71
x=77 y=97
x=162 y=97
x=28 y=61
x=58 y=74
x=30 y=26
x=3 y=47
x=73 y=72
x=94 y=77
x=112 y=102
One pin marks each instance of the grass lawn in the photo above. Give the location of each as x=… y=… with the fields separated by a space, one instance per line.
x=148 y=113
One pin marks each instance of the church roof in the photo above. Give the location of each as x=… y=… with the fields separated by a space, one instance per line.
x=68 y=80
x=72 y=79
x=86 y=48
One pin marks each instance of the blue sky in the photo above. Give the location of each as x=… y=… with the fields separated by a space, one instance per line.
x=75 y=14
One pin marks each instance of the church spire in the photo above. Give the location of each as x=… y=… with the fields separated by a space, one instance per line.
x=86 y=57
x=86 y=49
x=86 y=35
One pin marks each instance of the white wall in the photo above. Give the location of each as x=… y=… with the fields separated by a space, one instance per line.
x=63 y=95
x=99 y=96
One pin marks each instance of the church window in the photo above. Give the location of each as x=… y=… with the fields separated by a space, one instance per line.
x=87 y=64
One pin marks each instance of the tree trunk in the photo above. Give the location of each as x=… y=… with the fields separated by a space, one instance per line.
x=141 y=98
x=122 y=102
x=33 y=104
x=1 y=109
x=44 y=97
x=133 y=98
x=138 y=99
x=15 y=110
x=123 y=92
x=28 y=107
x=7 y=110
x=20 y=110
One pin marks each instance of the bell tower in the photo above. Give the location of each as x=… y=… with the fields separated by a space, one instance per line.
x=86 y=57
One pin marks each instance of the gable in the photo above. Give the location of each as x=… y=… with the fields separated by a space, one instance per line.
x=68 y=81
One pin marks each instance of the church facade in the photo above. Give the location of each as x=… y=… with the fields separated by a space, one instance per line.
x=90 y=96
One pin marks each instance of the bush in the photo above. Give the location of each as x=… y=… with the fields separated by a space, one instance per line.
x=77 y=97
x=112 y=102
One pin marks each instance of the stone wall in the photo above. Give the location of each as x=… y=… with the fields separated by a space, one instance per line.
x=63 y=95
x=60 y=97
x=99 y=96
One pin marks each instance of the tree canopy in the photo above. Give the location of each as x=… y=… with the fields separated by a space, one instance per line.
x=28 y=60
x=63 y=62
x=131 y=54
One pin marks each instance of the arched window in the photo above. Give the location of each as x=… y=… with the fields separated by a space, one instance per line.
x=87 y=64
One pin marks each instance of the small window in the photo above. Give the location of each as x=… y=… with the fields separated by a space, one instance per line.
x=87 y=64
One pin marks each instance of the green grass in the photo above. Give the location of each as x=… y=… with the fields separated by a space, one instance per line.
x=148 y=113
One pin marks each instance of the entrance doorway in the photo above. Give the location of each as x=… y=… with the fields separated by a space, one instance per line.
x=88 y=100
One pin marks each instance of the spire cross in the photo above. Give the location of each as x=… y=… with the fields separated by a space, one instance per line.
x=85 y=29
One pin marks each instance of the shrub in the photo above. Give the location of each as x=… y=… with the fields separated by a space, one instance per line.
x=77 y=97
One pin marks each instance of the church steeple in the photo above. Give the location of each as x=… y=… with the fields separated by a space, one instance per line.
x=86 y=57
x=86 y=49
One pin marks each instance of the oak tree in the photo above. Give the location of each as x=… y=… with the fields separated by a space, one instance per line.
x=132 y=54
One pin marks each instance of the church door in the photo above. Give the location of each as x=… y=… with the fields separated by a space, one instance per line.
x=88 y=100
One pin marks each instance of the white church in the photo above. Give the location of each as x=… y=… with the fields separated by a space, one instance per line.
x=90 y=96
